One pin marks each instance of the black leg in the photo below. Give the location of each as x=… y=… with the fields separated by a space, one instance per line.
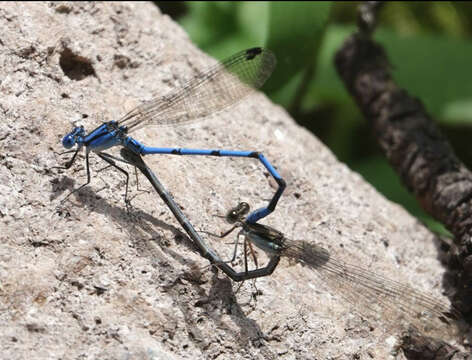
x=137 y=185
x=253 y=254
x=137 y=181
x=245 y=256
x=223 y=235
x=248 y=245
x=64 y=152
x=245 y=264
x=88 y=173
x=68 y=164
x=104 y=168
x=105 y=157
x=113 y=159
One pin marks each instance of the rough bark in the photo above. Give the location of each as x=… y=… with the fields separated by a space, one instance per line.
x=418 y=347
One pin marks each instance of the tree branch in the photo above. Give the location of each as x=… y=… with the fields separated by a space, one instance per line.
x=414 y=146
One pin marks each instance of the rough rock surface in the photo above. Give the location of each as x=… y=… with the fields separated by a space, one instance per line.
x=88 y=279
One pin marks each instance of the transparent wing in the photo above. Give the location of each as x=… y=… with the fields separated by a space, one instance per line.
x=374 y=295
x=209 y=92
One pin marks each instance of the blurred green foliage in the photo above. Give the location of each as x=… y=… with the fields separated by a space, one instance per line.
x=427 y=43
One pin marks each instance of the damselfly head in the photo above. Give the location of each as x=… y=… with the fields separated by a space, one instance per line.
x=70 y=139
x=237 y=213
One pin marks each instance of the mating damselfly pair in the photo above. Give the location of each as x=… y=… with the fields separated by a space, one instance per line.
x=207 y=93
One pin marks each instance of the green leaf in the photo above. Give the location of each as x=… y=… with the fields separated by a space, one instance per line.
x=253 y=20
x=458 y=112
x=294 y=34
x=209 y=22
x=284 y=95
x=327 y=87
x=221 y=28
x=230 y=45
x=434 y=68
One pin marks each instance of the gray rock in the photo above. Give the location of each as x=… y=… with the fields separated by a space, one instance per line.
x=88 y=280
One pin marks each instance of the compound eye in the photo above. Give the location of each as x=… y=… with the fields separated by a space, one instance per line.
x=68 y=141
x=232 y=217
x=243 y=208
